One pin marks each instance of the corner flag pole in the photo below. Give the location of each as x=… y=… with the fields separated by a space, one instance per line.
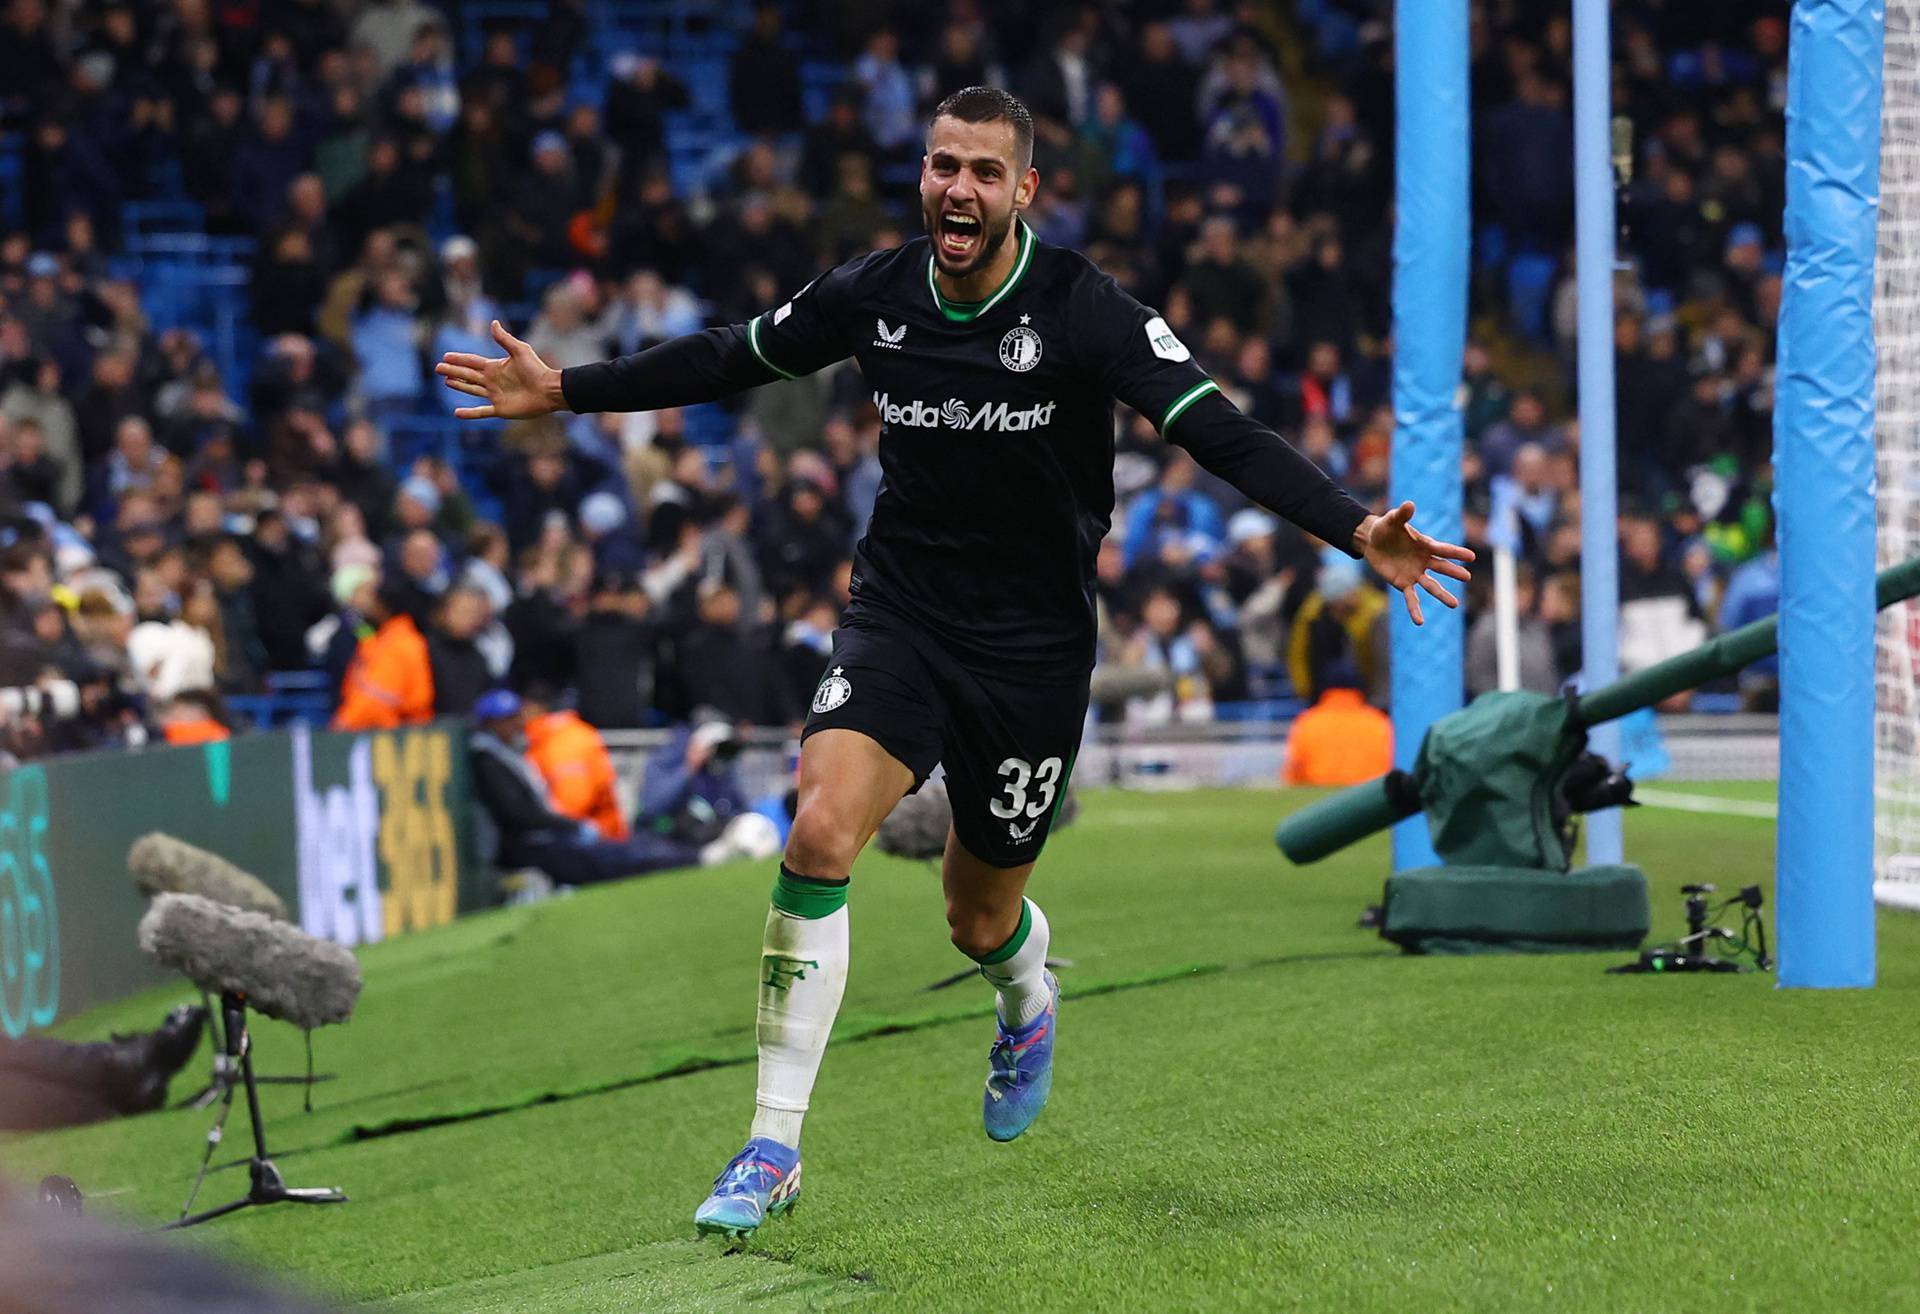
x=1430 y=246
x=1823 y=438
x=1599 y=493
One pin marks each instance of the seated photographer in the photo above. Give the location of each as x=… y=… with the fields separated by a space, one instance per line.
x=533 y=834
x=58 y=714
x=692 y=786
x=692 y=791
x=56 y=1083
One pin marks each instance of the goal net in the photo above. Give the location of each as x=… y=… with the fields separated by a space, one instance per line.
x=1896 y=313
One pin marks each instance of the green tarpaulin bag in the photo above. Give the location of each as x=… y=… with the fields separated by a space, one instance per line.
x=1472 y=910
x=1491 y=781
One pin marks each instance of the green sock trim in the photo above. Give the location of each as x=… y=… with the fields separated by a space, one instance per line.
x=810 y=897
x=1014 y=941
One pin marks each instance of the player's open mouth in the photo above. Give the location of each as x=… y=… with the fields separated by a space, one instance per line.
x=959 y=233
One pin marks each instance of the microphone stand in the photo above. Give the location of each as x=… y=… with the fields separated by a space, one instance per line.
x=226 y=1072
x=265 y=1185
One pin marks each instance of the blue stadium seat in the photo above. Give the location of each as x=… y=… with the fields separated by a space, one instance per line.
x=144 y=220
x=1530 y=278
x=1265 y=711
x=254 y=711
x=819 y=80
x=1709 y=703
x=292 y=696
x=711 y=426
x=12 y=188
x=706 y=79
x=1490 y=247
x=1269 y=680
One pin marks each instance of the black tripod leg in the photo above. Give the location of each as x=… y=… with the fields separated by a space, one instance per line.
x=265 y=1186
x=221 y=1079
x=214 y=1135
x=206 y=1215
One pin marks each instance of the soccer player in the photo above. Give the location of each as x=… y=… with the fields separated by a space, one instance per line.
x=995 y=361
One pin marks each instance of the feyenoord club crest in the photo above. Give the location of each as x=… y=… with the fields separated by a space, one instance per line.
x=833 y=691
x=1020 y=349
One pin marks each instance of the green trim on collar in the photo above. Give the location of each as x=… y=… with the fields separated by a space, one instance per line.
x=1186 y=399
x=962 y=312
x=753 y=340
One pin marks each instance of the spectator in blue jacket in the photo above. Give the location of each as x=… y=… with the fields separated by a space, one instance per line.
x=1753 y=593
x=387 y=345
x=1174 y=509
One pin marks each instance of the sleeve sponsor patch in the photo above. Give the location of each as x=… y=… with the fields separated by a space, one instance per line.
x=780 y=315
x=1165 y=345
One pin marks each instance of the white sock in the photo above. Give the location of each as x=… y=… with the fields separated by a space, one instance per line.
x=803 y=973
x=1020 y=977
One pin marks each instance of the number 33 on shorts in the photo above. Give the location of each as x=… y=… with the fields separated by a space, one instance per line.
x=1018 y=776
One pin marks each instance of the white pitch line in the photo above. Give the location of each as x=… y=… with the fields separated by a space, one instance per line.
x=1727 y=807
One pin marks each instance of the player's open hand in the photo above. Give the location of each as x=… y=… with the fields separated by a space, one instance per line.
x=1408 y=560
x=516 y=386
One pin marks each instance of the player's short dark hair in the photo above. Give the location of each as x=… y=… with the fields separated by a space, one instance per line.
x=991 y=105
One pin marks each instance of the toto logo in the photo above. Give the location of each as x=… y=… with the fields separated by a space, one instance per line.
x=29 y=918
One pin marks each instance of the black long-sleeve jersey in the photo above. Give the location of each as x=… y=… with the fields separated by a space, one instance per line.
x=997 y=438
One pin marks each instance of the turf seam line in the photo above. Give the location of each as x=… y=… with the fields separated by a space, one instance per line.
x=873 y=1029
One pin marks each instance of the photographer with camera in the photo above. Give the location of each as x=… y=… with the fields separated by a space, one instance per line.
x=54 y=695
x=692 y=791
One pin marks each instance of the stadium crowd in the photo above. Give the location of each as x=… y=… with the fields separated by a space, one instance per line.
x=175 y=532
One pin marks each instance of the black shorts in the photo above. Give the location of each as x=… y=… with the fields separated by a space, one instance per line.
x=1008 y=746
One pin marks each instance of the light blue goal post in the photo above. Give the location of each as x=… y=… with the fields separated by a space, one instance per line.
x=1430 y=252
x=1824 y=463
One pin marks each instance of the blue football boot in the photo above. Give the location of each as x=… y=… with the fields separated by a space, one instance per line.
x=761 y=1181
x=1020 y=1071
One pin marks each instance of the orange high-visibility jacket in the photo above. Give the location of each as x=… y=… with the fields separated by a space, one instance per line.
x=389 y=682
x=1340 y=740
x=203 y=730
x=572 y=758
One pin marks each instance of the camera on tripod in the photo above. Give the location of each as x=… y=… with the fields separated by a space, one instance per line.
x=1707 y=946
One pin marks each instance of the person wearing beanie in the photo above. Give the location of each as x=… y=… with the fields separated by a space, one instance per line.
x=605 y=525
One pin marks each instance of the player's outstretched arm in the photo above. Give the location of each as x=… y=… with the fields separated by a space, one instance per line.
x=516 y=386
x=805 y=334
x=1408 y=560
x=1274 y=473
x=1146 y=366
x=687 y=370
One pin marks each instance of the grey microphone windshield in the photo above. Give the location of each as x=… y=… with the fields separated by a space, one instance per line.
x=161 y=864
x=917 y=826
x=283 y=972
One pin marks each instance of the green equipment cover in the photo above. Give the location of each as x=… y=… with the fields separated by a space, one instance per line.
x=1489 y=909
x=1489 y=781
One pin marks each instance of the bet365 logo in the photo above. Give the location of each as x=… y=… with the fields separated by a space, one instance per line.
x=29 y=922
x=783 y=971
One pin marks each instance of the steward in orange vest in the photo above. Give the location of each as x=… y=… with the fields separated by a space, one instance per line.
x=389 y=683
x=1340 y=740
x=572 y=758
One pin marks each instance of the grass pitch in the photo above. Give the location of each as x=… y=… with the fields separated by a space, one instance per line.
x=1257 y=1106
